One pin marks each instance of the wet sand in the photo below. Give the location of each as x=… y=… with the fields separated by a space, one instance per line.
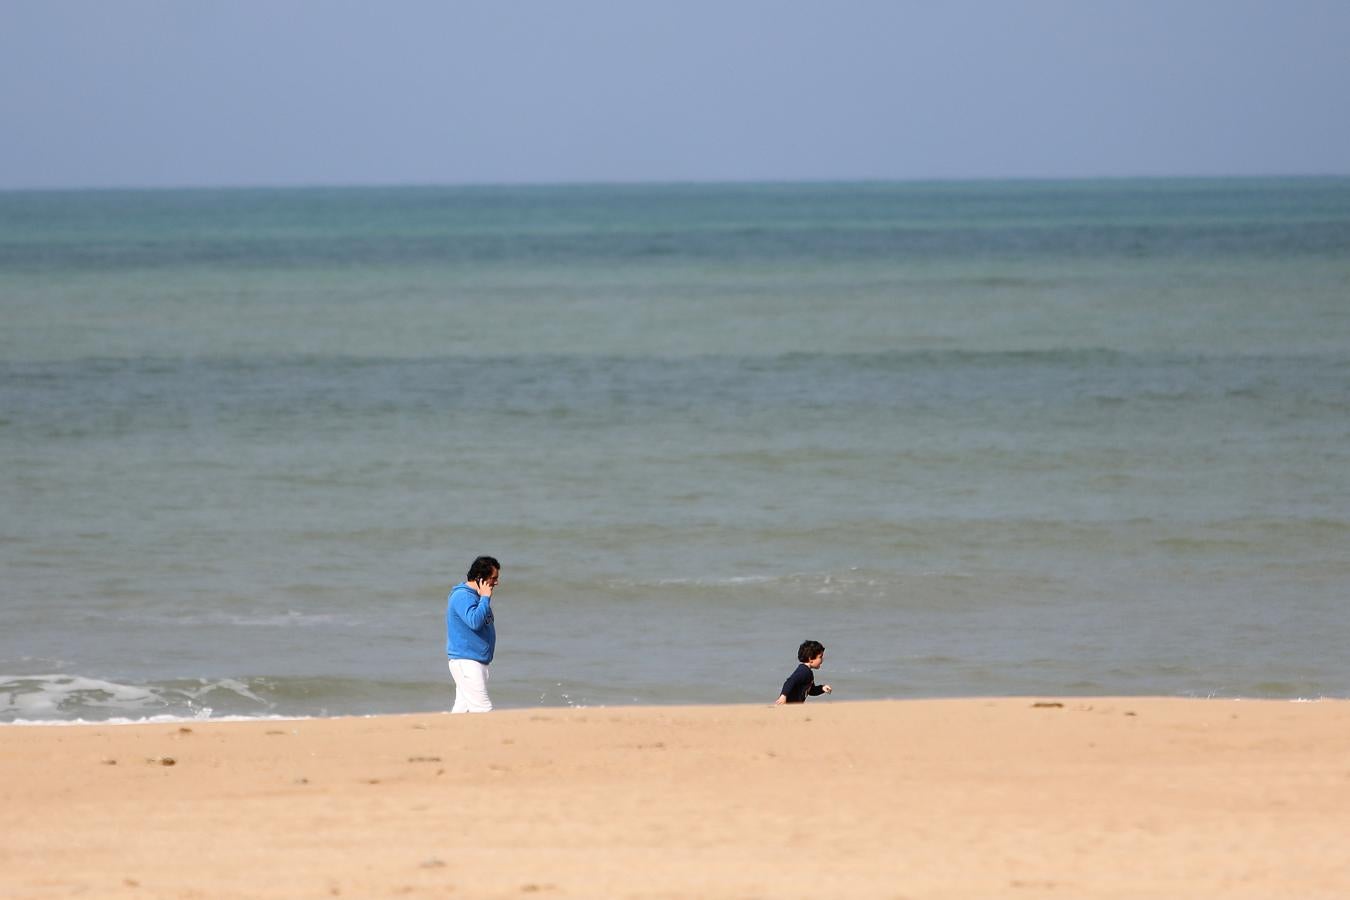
x=971 y=798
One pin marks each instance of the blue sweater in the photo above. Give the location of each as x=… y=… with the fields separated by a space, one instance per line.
x=469 y=632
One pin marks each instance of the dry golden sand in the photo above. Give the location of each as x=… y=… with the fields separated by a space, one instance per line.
x=1093 y=798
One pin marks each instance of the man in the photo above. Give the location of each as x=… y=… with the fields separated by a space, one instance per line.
x=471 y=637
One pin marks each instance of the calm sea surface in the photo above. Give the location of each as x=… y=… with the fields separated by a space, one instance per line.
x=977 y=438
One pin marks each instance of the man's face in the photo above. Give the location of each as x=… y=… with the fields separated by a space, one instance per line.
x=815 y=661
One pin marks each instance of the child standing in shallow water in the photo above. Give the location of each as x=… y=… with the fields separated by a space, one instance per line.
x=802 y=681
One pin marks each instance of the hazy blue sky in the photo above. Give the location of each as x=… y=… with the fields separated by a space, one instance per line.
x=237 y=92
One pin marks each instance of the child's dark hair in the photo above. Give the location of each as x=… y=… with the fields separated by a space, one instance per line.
x=482 y=569
x=809 y=650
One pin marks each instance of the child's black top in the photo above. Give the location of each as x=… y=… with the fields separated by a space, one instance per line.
x=800 y=683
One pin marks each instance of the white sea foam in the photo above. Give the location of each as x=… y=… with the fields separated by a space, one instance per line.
x=47 y=694
x=63 y=696
x=152 y=720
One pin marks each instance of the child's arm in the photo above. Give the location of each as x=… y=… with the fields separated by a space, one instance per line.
x=818 y=689
x=782 y=698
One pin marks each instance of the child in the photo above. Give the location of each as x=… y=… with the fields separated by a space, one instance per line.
x=803 y=680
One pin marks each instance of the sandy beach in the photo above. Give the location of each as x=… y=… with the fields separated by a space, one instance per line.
x=1023 y=797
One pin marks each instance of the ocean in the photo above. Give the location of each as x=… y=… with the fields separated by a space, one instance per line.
x=978 y=438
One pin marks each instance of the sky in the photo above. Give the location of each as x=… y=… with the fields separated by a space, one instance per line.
x=163 y=93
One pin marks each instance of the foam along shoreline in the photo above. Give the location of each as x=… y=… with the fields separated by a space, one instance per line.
x=1026 y=797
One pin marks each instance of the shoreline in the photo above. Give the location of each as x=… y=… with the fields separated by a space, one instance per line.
x=1085 y=797
x=300 y=717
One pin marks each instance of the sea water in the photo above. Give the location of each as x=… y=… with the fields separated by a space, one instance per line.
x=987 y=438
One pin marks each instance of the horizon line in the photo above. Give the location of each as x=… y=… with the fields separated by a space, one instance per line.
x=663 y=183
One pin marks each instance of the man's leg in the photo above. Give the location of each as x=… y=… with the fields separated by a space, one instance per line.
x=461 y=699
x=470 y=686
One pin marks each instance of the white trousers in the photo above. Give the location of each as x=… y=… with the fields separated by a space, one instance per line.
x=471 y=679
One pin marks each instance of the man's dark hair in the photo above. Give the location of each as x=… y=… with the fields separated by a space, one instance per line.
x=809 y=650
x=482 y=569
